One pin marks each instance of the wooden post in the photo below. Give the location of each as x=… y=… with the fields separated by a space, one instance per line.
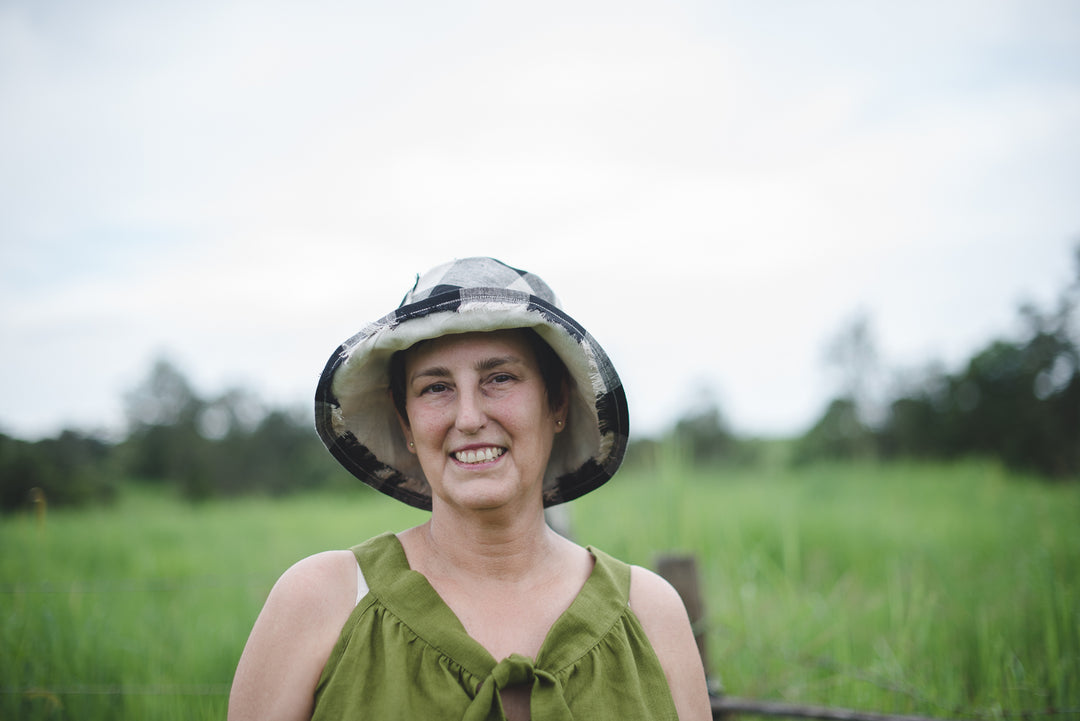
x=558 y=517
x=37 y=498
x=681 y=571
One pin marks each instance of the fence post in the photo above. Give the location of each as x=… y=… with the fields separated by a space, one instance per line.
x=37 y=499
x=558 y=517
x=681 y=571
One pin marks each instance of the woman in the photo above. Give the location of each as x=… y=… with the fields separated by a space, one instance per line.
x=480 y=400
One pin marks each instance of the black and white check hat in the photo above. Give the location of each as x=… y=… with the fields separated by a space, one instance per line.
x=355 y=415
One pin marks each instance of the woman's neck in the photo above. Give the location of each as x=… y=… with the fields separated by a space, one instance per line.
x=486 y=547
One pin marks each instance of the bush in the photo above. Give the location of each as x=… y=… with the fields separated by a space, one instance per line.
x=71 y=469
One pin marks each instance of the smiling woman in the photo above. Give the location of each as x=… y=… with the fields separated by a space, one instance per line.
x=480 y=400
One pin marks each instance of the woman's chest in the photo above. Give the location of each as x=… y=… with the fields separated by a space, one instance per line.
x=507 y=624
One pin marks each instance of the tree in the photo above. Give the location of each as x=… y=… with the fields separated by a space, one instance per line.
x=853 y=357
x=843 y=431
x=1017 y=400
x=163 y=398
x=71 y=469
x=839 y=434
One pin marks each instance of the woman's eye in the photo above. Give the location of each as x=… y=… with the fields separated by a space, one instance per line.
x=502 y=378
x=434 y=388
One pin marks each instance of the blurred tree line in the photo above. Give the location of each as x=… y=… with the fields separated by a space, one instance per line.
x=1017 y=400
x=223 y=446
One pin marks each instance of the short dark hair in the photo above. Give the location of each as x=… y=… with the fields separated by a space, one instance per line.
x=552 y=370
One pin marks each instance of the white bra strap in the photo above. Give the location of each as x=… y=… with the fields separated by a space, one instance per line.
x=361 y=584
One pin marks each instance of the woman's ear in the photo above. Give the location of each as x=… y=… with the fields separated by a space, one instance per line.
x=561 y=409
x=403 y=421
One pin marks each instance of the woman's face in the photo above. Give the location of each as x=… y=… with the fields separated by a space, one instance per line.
x=479 y=418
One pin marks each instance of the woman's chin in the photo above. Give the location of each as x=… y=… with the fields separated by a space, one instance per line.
x=485 y=495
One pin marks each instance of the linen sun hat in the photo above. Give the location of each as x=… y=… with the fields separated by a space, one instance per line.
x=355 y=414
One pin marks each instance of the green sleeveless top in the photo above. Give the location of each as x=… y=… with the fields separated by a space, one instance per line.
x=403 y=654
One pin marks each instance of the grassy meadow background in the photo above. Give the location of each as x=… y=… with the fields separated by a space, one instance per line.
x=941 y=590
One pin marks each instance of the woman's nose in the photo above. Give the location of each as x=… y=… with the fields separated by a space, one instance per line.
x=470 y=412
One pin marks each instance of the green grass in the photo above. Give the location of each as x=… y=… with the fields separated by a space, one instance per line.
x=937 y=590
x=140 y=611
x=947 y=591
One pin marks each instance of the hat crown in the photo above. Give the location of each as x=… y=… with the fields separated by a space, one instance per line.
x=477 y=273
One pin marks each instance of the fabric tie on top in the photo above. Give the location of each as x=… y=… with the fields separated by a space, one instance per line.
x=546 y=700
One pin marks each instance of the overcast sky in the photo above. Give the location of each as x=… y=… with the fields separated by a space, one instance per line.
x=713 y=188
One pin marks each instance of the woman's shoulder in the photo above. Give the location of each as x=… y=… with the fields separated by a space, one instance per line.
x=663 y=617
x=292 y=638
x=322 y=573
x=653 y=599
x=314 y=591
x=315 y=595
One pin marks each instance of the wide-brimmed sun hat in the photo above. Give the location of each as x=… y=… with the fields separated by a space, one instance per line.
x=355 y=414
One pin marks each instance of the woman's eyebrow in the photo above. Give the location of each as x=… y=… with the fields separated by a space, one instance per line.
x=496 y=362
x=487 y=364
x=432 y=372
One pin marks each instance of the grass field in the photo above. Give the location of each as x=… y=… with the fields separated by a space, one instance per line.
x=949 y=591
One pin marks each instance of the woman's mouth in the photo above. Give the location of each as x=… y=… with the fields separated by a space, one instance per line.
x=478 y=455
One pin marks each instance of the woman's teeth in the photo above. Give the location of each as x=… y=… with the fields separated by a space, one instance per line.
x=479 y=456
